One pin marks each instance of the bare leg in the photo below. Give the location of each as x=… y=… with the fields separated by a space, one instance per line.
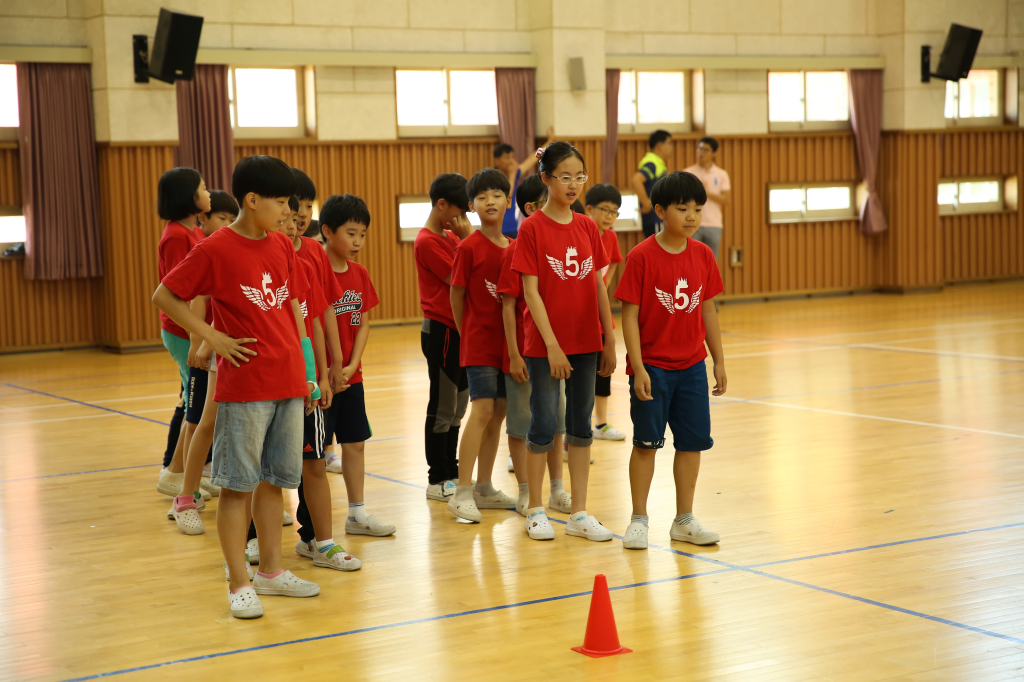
x=472 y=437
x=353 y=468
x=600 y=409
x=232 y=525
x=267 y=507
x=684 y=470
x=317 y=491
x=535 y=462
x=489 y=442
x=555 y=459
x=517 y=451
x=579 y=470
x=641 y=473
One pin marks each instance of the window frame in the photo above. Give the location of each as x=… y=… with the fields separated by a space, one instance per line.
x=805 y=125
x=685 y=126
x=997 y=119
x=301 y=130
x=808 y=216
x=407 y=235
x=956 y=209
x=450 y=129
x=10 y=134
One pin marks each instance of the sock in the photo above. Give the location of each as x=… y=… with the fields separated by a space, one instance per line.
x=182 y=500
x=535 y=510
x=485 y=488
x=578 y=517
x=524 y=488
x=357 y=512
x=600 y=426
x=463 y=492
x=684 y=518
x=325 y=545
x=556 y=485
x=269 y=575
x=642 y=518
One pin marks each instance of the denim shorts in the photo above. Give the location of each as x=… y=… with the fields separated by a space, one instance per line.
x=258 y=442
x=517 y=413
x=485 y=382
x=681 y=402
x=579 y=402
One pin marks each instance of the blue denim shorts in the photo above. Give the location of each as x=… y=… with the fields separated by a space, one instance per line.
x=579 y=402
x=258 y=442
x=517 y=413
x=485 y=382
x=681 y=402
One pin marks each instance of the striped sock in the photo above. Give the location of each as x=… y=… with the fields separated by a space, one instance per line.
x=684 y=518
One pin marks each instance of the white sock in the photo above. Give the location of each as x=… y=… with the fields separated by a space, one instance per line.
x=684 y=518
x=524 y=488
x=326 y=544
x=486 y=489
x=463 y=492
x=556 y=485
x=357 y=512
x=642 y=518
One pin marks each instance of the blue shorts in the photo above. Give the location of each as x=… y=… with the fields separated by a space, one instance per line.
x=681 y=402
x=517 y=413
x=258 y=442
x=346 y=418
x=545 y=394
x=485 y=382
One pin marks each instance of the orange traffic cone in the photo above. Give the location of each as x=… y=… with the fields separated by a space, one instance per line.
x=602 y=639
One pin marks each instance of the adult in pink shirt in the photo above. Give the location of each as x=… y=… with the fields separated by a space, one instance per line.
x=716 y=182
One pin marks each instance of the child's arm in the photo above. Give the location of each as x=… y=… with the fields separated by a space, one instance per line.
x=604 y=311
x=198 y=355
x=610 y=277
x=334 y=345
x=358 y=346
x=320 y=354
x=631 y=333
x=517 y=366
x=713 y=338
x=222 y=344
x=560 y=367
x=641 y=193
x=458 y=296
x=531 y=158
x=308 y=358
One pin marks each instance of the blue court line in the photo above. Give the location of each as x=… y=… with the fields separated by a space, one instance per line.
x=80 y=402
x=77 y=473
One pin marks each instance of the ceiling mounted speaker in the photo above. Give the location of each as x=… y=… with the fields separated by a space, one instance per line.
x=577 y=77
x=173 y=56
x=958 y=53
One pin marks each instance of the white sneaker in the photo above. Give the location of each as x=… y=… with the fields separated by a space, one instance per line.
x=537 y=525
x=248 y=569
x=693 y=532
x=441 y=491
x=588 y=527
x=498 y=500
x=170 y=484
x=523 y=502
x=207 y=486
x=334 y=464
x=565 y=456
x=187 y=517
x=511 y=464
x=371 y=526
x=561 y=501
x=609 y=432
x=306 y=549
x=337 y=558
x=286 y=584
x=286 y=519
x=464 y=507
x=635 y=536
x=252 y=551
x=208 y=470
x=245 y=603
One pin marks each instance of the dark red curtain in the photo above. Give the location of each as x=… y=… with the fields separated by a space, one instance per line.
x=517 y=110
x=611 y=141
x=866 y=120
x=59 y=173
x=205 y=141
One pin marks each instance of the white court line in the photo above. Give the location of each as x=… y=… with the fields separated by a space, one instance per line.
x=91 y=402
x=59 y=419
x=928 y=351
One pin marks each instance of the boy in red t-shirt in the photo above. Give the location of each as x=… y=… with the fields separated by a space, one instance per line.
x=603 y=202
x=476 y=307
x=667 y=316
x=250 y=273
x=343 y=223
x=434 y=251
x=559 y=253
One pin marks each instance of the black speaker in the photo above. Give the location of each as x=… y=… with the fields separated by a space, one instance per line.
x=958 y=52
x=173 y=56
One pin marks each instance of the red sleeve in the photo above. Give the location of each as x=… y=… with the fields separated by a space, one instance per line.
x=332 y=291
x=462 y=265
x=713 y=284
x=600 y=254
x=631 y=284
x=508 y=282
x=525 y=259
x=436 y=259
x=192 y=277
x=316 y=304
x=173 y=251
x=370 y=299
x=614 y=252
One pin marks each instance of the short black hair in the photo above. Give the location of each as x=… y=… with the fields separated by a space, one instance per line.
x=306 y=190
x=577 y=207
x=657 y=137
x=709 y=141
x=600 y=193
x=502 y=149
x=678 y=188
x=222 y=202
x=452 y=188
x=487 y=179
x=266 y=176
x=176 y=193
x=342 y=208
x=313 y=231
x=293 y=203
x=557 y=152
x=531 y=190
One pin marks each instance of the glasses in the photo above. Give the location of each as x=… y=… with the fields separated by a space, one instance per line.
x=580 y=179
x=607 y=211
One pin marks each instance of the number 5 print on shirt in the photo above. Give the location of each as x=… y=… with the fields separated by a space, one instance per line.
x=669 y=301
x=258 y=296
x=572 y=267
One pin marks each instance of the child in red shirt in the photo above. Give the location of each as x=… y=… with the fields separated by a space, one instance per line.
x=667 y=316
x=559 y=254
x=343 y=222
x=434 y=251
x=476 y=307
x=250 y=273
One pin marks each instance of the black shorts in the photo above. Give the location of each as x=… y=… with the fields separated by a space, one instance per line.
x=603 y=387
x=198 y=381
x=346 y=417
x=313 y=434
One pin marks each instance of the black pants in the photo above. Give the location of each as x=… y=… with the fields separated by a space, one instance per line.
x=449 y=398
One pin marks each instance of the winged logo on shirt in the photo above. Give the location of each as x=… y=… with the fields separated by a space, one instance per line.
x=557 y=266
x=492 y=289
x=571 y=267
x=669 y=301
x=265 y=297
x=305 y=311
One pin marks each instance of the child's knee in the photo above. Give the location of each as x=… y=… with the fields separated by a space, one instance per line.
x=483 y=410
x=314 y=468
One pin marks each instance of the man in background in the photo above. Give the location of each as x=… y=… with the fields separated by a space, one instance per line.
x=716 y=182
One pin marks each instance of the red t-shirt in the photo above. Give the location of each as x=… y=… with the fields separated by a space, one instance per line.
x=669 y=288
x=611 y=248
x=311 y=297
x=358 y=297
x=511 y=283
x=251 y=282
x=565 y=259
x=434 y=256
x=312 y=252
x=175 y=243
x=477 y=267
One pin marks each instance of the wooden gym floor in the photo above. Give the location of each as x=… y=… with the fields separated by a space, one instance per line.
x=867 y=481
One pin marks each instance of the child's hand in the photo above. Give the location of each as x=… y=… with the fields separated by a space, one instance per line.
x=337 y=376
x=203 y=355
x=608 y=360
x=720 y=380
x=193 y=347
x=460 y=226
x=517 y=368
x=326 y=396
x=560 y=367
x=346 y=374
x=642 y=384
x=231 y=349
x=309 y=402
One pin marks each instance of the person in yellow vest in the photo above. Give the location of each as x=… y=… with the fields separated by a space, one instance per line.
x=652 y=168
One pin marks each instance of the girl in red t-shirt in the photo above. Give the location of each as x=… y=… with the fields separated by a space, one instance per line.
x=559 y=254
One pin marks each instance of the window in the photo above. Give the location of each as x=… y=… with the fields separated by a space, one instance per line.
x=412 y=216
x=816 y=202
x=808 y=100
x=960 y=196
x=12 y=225
x=8 y=102
x=649 y=100
x=629 y=213
x=445 y=102
x=974 y=100
x=267 y=103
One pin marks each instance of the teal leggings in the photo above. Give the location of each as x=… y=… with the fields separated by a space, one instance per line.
x=178 y=348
